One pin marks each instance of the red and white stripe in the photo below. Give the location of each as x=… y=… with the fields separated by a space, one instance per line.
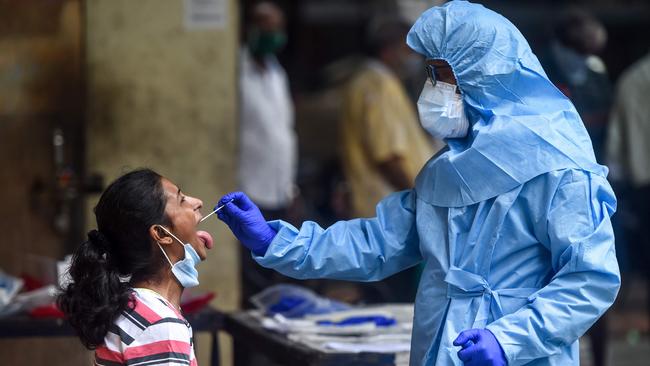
x=153 y=333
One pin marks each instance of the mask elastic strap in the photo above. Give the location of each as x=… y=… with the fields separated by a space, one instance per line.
x=169 y=232
x=165 y=254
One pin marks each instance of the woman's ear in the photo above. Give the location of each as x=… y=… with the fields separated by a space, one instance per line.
x=159 y=235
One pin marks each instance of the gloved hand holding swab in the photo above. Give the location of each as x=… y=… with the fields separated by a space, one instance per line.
x=217 y=209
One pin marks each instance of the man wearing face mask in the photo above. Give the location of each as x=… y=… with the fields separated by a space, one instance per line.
x=511 y=221
x=268 y=151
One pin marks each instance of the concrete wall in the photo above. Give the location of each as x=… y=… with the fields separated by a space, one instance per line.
x=164 y=97
x=40 y=75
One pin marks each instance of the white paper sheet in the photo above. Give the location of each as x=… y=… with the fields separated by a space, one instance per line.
x=206 y=14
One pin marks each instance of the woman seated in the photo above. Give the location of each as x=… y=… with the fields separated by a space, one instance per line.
x=128 y=277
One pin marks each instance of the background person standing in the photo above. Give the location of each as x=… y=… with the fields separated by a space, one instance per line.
x=383 y=145
x=268 y=146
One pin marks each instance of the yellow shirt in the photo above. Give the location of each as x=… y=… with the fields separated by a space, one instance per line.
x=379 y=122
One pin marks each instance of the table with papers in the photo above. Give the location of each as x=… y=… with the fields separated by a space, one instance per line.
x=302 y=341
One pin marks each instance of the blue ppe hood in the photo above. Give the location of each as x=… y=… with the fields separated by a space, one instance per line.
x=522 y=125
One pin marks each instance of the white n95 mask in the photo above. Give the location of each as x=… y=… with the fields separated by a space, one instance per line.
x=441 y=111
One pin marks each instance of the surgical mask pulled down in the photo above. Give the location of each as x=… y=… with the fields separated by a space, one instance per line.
x=185 y=269
x=441 y=111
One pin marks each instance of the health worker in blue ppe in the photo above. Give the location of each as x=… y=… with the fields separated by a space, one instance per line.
x=511 y=221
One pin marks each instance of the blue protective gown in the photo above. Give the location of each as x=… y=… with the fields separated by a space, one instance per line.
x=512 y=222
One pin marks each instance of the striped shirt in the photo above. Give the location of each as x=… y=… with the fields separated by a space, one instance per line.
x=152 y=333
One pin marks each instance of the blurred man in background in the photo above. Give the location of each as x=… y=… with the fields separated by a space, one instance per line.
x=268 y=146
x=268 y=150
x=383 y=144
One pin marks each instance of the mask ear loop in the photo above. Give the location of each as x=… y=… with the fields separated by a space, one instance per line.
x=165 y=254
x=169 y=232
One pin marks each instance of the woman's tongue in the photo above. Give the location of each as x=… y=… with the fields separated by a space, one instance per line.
x=206 y=238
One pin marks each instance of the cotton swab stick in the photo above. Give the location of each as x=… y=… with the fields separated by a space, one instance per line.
x=215 y=211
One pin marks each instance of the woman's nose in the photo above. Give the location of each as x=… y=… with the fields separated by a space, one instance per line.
x=198 y=204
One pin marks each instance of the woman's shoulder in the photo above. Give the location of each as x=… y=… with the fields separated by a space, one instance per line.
x=164 y=334
x=148 y=322
x=148 y=312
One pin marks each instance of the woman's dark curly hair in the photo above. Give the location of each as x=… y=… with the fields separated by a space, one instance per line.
x=119 y=248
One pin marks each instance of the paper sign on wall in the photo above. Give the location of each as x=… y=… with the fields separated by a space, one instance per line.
x=206 y=14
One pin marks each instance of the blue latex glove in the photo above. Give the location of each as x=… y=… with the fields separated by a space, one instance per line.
x=480 y=348
x=246 y=221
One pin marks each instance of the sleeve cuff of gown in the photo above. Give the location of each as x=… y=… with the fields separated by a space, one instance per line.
x=286 y=233
x=508 y=348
